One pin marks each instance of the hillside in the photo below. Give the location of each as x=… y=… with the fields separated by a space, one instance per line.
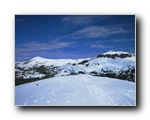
x=114 y=64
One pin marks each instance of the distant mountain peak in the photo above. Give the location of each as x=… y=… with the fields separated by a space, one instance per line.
x=111 y=52
x=37 y=57
x=114 y=54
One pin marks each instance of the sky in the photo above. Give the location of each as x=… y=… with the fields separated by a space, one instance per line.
x=72 y=36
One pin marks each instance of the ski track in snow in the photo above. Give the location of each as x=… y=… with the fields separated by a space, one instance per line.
x=76 y=90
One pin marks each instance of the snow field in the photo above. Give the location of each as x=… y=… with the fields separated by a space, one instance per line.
x=76 y=90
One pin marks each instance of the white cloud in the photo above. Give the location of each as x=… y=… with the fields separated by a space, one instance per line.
x=123 y=40
x=35 y=48
x=80 y=20
x=98 y=46
x=99 y=31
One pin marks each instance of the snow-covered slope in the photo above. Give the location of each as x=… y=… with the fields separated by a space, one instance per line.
x=38 y=61
x=77 y=90
x=115 y=64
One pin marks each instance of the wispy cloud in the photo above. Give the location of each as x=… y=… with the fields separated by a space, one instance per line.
x=19 y=20
x=98 y=45
x=81 y=20
x=123 y=40
x=35 y=48
x=99 y=31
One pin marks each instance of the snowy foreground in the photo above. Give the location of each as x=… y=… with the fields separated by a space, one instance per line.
x=76 y=90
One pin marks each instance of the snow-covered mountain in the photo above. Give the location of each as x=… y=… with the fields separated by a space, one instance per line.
x=38 y=61
x=114 y=64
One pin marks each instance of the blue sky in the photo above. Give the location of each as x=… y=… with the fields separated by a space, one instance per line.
x=72 y=36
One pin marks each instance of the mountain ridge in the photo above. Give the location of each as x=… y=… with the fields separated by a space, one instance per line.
x=117 y=64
